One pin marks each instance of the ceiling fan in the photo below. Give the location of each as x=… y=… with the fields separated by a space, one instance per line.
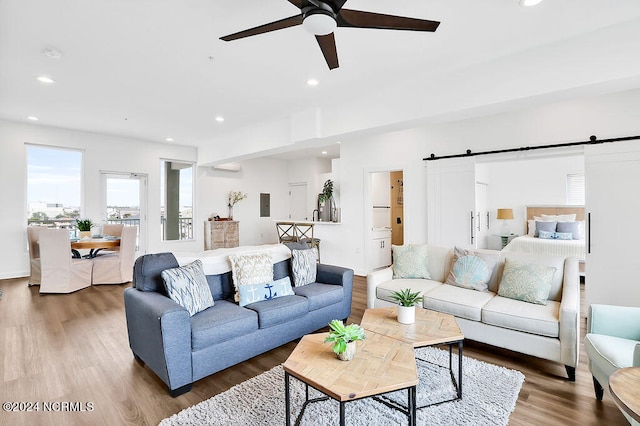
x=321 y=17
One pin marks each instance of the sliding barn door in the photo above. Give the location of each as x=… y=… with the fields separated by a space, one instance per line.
x=612 y=177
x=451 y=202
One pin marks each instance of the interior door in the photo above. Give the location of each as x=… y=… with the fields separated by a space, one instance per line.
x=124 y=201
x=611 y=267
x=298 y=201
x=451 y=205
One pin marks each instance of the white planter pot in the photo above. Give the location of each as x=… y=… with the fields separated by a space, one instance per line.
x=406 y=314
x=349 y=353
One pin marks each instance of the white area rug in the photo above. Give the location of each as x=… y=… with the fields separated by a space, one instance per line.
x=489 y=395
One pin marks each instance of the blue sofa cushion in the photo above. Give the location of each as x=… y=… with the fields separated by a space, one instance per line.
x=277 y=311
x=221 y=286
x=223 y=321
x=320 y=295
x=147 y=271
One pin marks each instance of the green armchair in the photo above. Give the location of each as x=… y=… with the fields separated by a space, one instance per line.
x=612 y=342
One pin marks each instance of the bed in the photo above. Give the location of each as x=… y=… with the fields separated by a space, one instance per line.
x=566 y=248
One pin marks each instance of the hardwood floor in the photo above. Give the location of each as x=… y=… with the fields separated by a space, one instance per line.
x=74 y=348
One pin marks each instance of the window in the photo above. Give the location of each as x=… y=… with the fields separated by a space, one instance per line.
x=575 y=189
x=176 y=210
x=54 y=189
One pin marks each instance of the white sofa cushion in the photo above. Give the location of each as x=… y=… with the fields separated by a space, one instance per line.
x=522 y=316
x=457 y=301
x=384 y=290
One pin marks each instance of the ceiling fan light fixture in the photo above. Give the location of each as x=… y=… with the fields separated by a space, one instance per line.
x=319 y=22
x=529 y=2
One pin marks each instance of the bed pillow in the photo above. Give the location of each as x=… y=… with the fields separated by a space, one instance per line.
x=187 y=286
x=471 y=269
x=251 y=268
x=410 y=261
x=559 y=217
x=304 y=266
x=571 y=227
x=531 y=227
x=252 y=293
x=526 y=282
x=545 y=226
x=544 y=235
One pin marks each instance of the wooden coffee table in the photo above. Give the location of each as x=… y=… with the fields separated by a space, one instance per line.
x=624 y=385
x=381 y=365
x=431 y=328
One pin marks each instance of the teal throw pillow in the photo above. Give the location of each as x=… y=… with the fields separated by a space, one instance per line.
x=188 y=287
x=410 y=261
x=526 y=282
x=252 y=293
x=472 y=269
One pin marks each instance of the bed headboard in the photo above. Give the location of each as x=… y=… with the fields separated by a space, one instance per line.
x=532 y=211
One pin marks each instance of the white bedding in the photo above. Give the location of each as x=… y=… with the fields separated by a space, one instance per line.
x=566 y=248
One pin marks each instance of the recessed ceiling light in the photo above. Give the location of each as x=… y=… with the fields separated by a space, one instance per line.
x=45 y=79
x=529 y=2
x=32 y=118
x=52 y=53
x=169 y=139
x=312 y=82
x=219 y=119
x=338 y=142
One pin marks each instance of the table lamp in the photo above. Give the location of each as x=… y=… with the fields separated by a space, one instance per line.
x=504 y=215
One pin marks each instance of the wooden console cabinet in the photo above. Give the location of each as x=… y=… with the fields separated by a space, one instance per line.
x=221 y=234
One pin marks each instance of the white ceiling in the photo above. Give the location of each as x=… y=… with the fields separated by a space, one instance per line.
x=153 y=69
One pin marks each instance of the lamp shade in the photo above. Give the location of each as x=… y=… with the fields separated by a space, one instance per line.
x=505 y=213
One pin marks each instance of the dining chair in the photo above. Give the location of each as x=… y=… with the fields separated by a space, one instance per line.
x=59 y=272
x=114 y=230
x=304 y=233
x=117 y=268
x=286 y=232
x=33 y=233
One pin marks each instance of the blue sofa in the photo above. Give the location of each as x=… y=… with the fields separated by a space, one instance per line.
x=181 y=349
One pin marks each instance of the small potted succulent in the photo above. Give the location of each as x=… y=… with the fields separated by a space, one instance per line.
x=406 y=305
x=344 y=338
x=84 y=226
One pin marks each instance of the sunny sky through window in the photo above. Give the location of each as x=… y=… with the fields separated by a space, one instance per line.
x=54 y=175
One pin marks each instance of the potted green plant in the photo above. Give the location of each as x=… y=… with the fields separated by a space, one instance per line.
x=326 y=201
x=344 y=338
x=84 y=226
x=406 y=305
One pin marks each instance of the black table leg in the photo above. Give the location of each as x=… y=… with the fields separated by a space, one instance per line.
x=286 y=398
x=341 y=413
x=411 y=413
x=75 y=254
x=460 y=369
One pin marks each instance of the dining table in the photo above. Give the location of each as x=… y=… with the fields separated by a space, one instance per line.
x=94 y=245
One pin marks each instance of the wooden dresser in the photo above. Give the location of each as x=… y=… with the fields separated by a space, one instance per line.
x=220 y=234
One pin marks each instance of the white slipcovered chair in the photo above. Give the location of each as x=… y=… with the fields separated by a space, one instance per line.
x=33 y=233
x=114 y=230
x=61 y=273
x=117 y=268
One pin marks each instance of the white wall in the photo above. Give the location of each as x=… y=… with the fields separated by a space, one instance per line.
x=516 y=184
x=255 y=177
x=607 y=116
x=101 y=152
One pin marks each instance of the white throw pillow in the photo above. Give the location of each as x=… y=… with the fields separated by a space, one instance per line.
x=188 y=287
x=559 y=217
x=251 y=268
x=303 y=266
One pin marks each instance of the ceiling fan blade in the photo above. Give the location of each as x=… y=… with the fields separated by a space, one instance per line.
x=296 y=3
x=360 y=19
x=273 y=26
x=327 y=44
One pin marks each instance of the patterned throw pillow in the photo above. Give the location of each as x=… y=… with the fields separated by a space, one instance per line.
x=410 y=261
x=251 y=293
x=251 y=268
x=544 y=235
x=303 y=266
x=472 y=269
x=527 y=282
x=187 y=286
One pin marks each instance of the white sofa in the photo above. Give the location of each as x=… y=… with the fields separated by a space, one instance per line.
x=549 y=332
